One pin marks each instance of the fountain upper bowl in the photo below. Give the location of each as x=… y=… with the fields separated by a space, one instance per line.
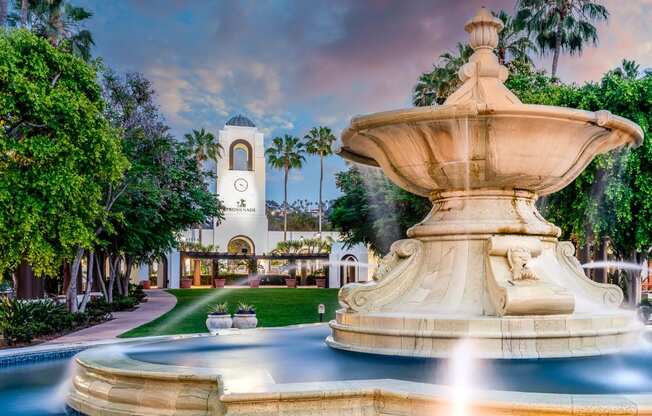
x=427 y=150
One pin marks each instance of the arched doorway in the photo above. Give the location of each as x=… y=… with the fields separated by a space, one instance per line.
x=241 y=245
x=348 y=269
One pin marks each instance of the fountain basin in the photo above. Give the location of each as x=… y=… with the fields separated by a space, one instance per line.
x=481 y=145
x=290 y=370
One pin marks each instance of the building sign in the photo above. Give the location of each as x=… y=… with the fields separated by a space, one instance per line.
x=241 y=206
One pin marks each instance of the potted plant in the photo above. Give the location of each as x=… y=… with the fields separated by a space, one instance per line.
x=219 y=282
x=252 y=268
x=245 y=316
x=291 y=281
x=186 y=283
x=254 y=281
x=320 y=281
x=218 y=318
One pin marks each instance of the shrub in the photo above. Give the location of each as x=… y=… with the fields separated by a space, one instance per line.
x=124 y=303
x=50 y=317
x=98 y=310
x=16 y=321
x=137 y=292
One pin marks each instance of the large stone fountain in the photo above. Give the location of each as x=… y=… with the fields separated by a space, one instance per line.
x=484 y=264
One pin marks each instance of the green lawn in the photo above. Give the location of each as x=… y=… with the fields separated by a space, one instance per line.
x=274 y=307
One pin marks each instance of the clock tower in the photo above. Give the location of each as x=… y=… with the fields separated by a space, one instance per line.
x=241 y=186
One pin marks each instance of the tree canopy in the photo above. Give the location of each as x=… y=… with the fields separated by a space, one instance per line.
x=613 y=196
x=374 y=211
x=165 y=191
x=57 y=151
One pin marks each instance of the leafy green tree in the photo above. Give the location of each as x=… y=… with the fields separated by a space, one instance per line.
x=561 y=25
x=318 y=142
x=374 y=211
x=611 y=198
x=165 y=190
x=57 y=151
x=286 y=153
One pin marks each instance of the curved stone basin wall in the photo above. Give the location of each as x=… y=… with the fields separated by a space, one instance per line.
x=226 y=375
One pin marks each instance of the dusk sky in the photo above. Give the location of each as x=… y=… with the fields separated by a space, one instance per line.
x=290 y=65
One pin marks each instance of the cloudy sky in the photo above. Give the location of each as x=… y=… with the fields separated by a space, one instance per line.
x=290 y=65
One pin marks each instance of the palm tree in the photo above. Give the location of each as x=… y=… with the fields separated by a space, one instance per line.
x=561 y=24
x=285 y=153
x=318 y=142
x=512 y=40
x=204 y=145
x=24 y=7
x=435 y=86
x=3 y=12
x=59 y=22
x=628 y=69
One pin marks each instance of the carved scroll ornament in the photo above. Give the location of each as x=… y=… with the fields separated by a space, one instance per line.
x=395 y=274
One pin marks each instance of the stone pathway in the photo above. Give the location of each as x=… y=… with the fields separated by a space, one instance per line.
x=158 y=303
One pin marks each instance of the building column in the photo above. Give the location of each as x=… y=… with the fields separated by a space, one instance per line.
x=196 y=277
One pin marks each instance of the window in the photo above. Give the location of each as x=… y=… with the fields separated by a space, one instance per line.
x=240 y=155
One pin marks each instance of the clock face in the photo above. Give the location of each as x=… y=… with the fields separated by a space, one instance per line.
x=240 y=185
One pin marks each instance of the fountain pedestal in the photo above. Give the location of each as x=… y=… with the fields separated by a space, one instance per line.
x=484 y=264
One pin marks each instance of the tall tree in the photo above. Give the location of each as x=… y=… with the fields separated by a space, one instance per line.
x=3 y=13
x=203 y=146
x=60 y=22
x=435 y=86
x=24 y=10
x=318 y=142
x=286 y=153
x=561 y=25
x=374 y=211
x=56 y=152
x=513 y=41
x=164 y=192
x=513 y=46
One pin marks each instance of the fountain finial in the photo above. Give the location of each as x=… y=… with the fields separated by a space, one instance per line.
x=483 y=75
x=483 y=30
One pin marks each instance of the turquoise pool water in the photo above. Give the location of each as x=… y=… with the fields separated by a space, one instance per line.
x=35 y=389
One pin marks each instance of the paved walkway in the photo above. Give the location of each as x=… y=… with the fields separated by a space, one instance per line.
x=158 y=303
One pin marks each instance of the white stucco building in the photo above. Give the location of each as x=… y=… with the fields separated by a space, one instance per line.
x=240 y=183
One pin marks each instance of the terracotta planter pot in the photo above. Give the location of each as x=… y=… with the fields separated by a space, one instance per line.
x=146 y=284
x=216 y=322
x=186 y=283
x=217 y=282
x=254 y=282
x=321 y=282
x=245 y=320
x=291 y=282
